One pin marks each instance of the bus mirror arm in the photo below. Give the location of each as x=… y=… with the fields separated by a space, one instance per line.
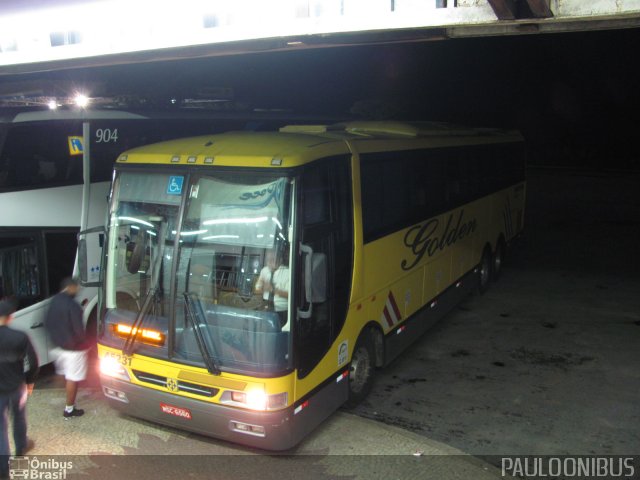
x=315 y=279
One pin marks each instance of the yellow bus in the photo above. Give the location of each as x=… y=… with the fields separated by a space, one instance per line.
x=253 y=282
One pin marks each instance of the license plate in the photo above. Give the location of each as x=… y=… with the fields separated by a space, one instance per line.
x=175 y=411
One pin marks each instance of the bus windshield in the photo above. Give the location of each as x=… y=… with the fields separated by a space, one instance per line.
x=215 y=285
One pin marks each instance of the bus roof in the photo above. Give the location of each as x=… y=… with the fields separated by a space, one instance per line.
x=79 y=115
x=296 y=145
x=15 y=115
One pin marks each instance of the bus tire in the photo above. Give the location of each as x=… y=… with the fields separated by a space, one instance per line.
x=361 y=370
x=497 y=260
x=484 y=271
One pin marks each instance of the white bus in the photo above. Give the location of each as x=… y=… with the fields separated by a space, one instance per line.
x=41 y=195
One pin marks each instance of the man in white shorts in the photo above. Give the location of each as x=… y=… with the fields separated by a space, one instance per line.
x=66 y=331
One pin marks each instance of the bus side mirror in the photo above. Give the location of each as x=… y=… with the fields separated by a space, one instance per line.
x=315 y=279
x=136 y=253
x=318 y=278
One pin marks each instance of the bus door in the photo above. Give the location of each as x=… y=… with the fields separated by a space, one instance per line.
x=327 y=231
x=32 y=264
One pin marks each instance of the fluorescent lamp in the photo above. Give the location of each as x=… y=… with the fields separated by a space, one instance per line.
x=224 y=221
x=215 y=237
x=136 y=220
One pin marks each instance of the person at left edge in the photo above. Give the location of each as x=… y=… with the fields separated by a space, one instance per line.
x=66 y=331
x=18 y=371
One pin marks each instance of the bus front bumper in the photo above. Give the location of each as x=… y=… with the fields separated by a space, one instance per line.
x=266 y=430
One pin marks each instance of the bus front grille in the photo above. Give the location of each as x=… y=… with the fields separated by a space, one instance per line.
x=197 y=389
x=150 y=378
x=181 y=386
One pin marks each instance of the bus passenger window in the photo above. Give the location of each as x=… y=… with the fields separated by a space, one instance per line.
x=372 y=200
x=454 y=183
x=19 y=275
x=316 y=200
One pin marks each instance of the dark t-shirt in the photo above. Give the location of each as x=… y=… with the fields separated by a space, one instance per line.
x=18 y=360
x=64 y=323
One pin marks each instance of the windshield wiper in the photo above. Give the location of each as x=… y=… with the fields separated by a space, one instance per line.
x=190 y=300
x=152 y=293
x=137 y=323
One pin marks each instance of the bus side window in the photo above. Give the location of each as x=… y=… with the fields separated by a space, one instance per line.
x=19 y=275
x=400 y=189
x=432 y=178
x=455 y=188
x=39 y=157
x=316 y=198
x=372 y=180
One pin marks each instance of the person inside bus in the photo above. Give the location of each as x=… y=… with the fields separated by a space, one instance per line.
x=273 y=285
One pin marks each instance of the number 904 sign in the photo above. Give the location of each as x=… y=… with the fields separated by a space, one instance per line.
x=106 y=135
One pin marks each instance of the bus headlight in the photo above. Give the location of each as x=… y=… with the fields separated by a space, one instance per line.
x=255 y=400
x=111 y=367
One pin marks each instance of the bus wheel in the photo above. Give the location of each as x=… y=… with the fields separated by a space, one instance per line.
x=498 y=261
x=484 y=275
x=361 y=370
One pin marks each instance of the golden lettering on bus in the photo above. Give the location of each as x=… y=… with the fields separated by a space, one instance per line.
x=429 y=238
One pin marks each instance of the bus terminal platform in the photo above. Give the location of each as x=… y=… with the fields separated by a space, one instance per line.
x=106 y=444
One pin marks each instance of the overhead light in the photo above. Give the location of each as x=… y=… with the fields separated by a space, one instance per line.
x=81 y=100
x=52 y=105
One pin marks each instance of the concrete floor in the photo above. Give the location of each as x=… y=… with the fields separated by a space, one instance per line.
x=106 y=445
x=547 y=361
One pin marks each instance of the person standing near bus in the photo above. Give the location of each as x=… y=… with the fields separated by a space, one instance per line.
x=66 y=330
x=18 y=371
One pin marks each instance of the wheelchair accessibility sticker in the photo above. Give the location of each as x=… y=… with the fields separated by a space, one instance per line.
x=343 y=353
x=175 y=185
x=76 y=146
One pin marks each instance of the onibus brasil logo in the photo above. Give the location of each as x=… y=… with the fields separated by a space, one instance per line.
x=38 y=469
